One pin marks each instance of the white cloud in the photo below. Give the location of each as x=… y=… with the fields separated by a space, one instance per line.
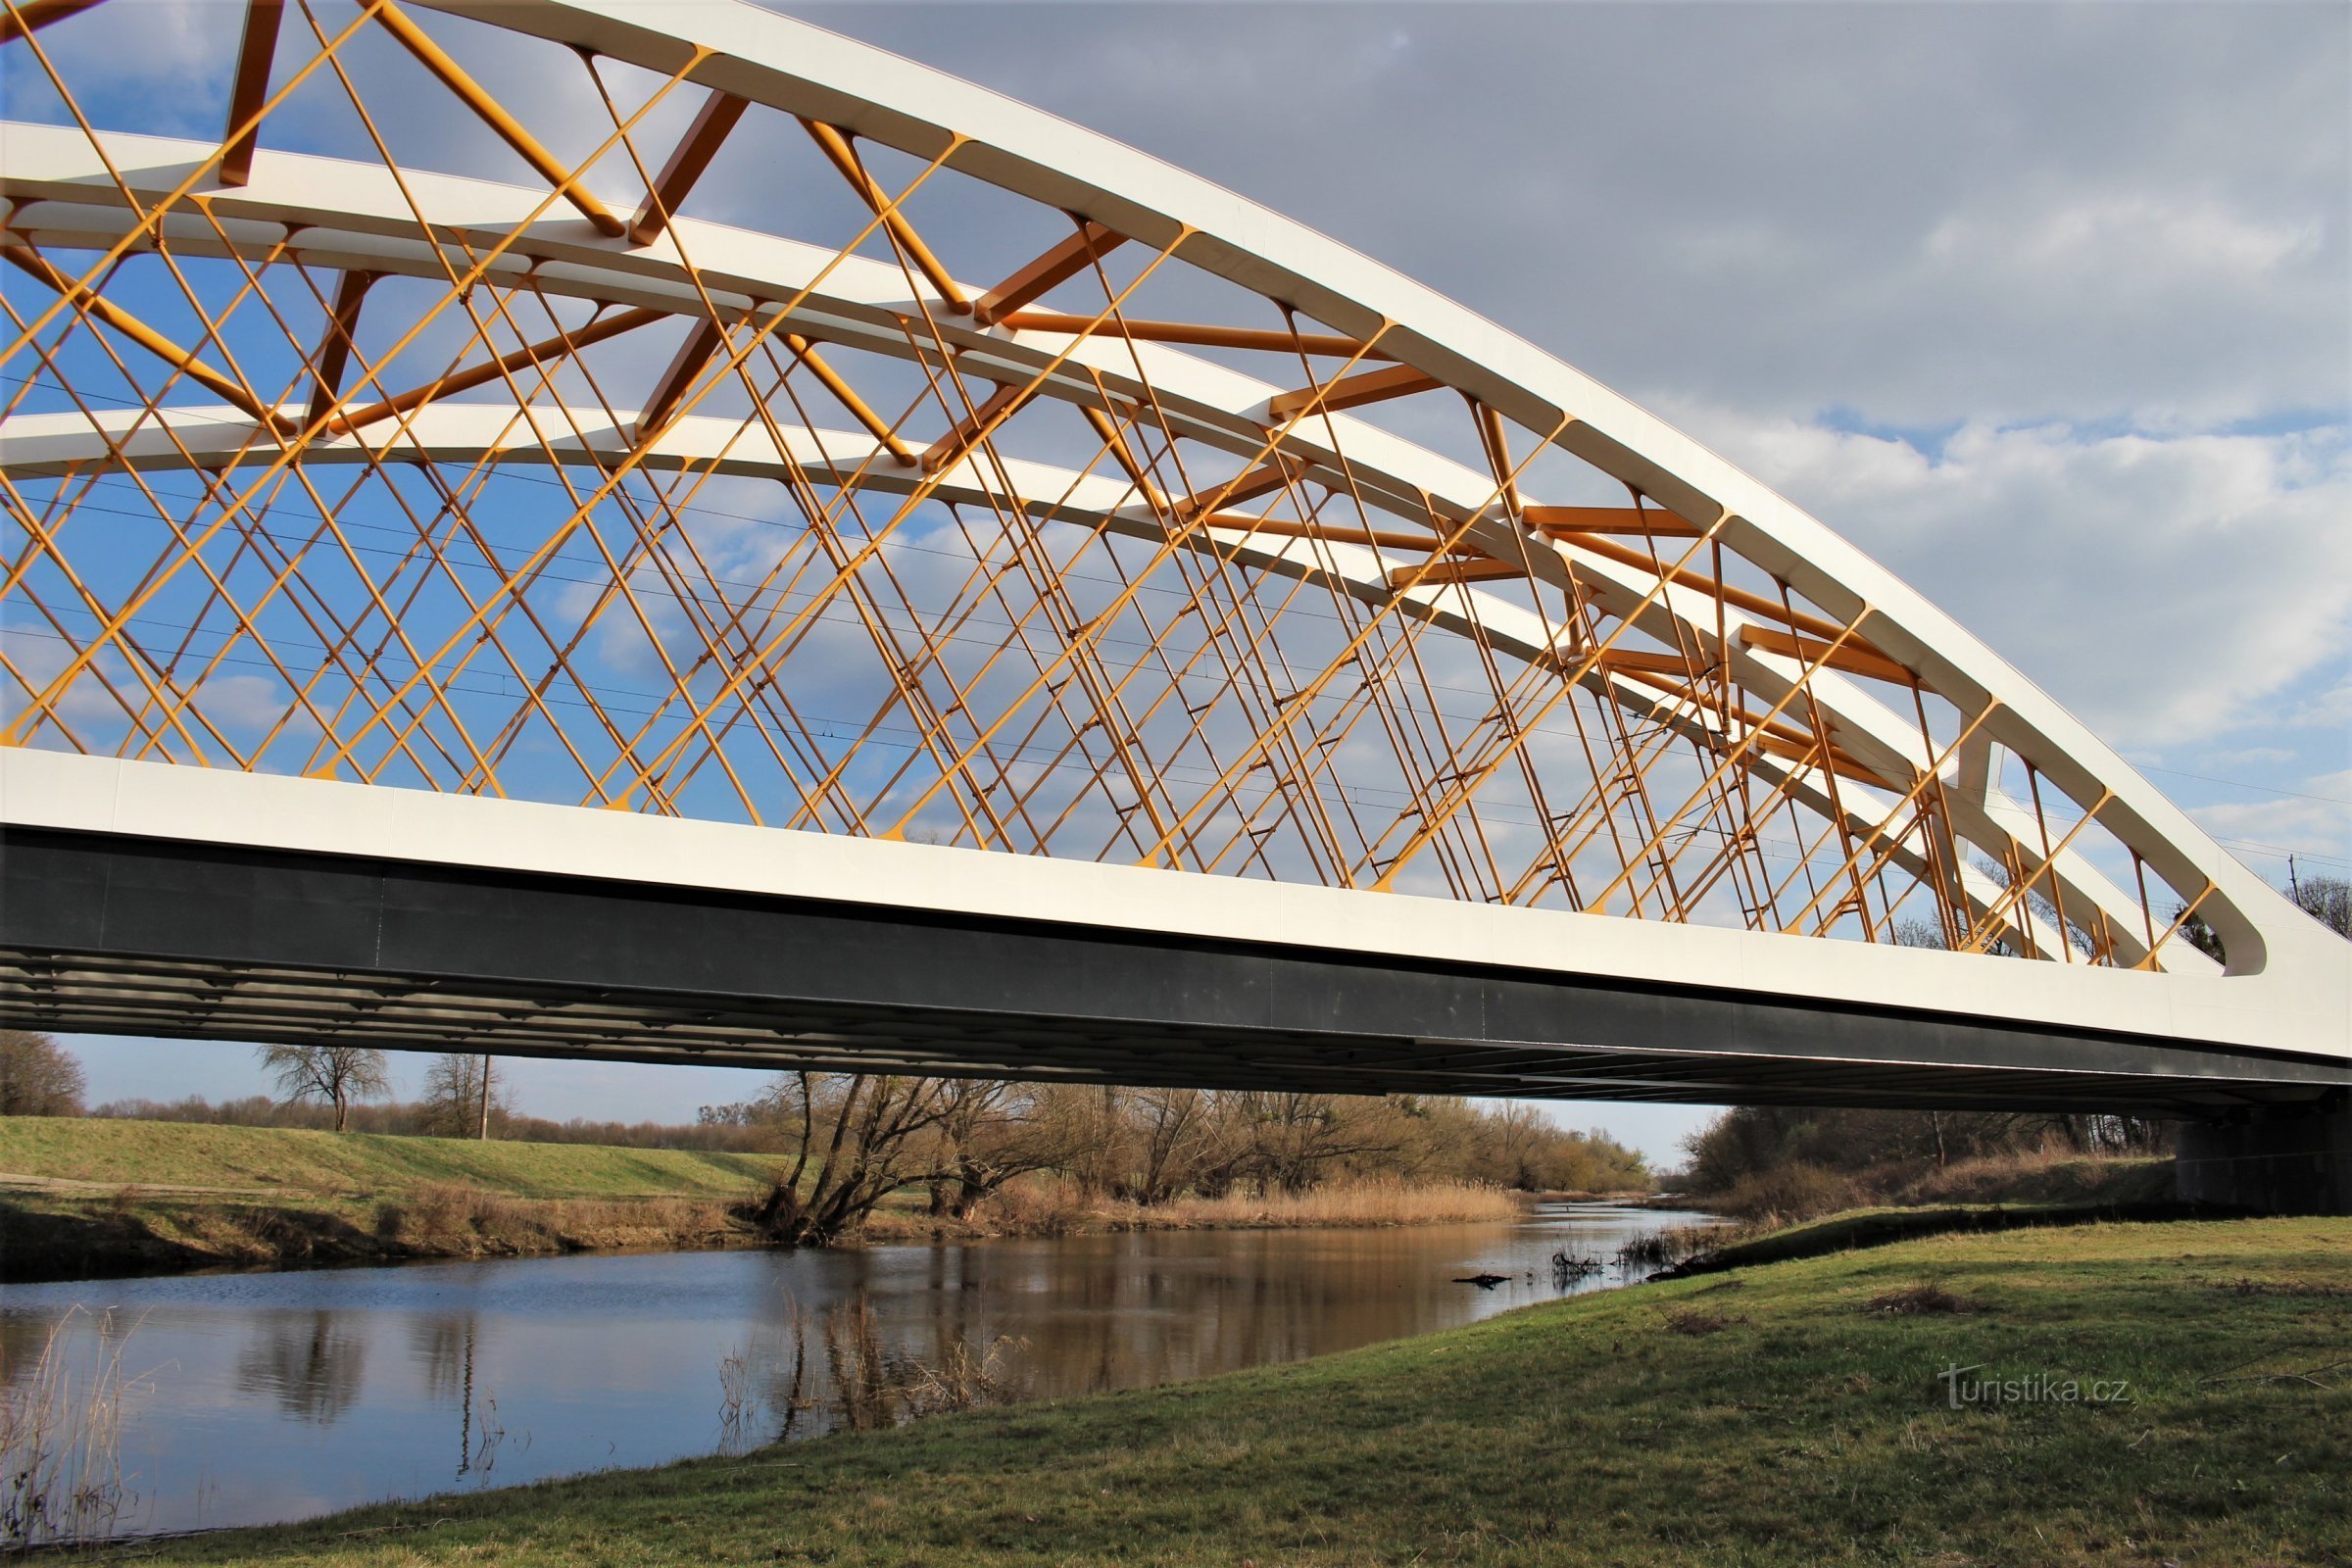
x=2165 y=588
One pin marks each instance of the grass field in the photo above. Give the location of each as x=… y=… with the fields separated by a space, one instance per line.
x=95 y=1196
x=1787 y=1414
x=157 y=1153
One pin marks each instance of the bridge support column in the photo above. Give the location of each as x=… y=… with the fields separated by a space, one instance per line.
x=2280 y=1159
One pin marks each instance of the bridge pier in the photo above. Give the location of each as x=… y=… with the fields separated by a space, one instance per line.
x=2279 y=1159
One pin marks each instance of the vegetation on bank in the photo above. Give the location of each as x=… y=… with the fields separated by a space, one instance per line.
x=1054 y=1207
x=81 y=1197
x=1798 y=1413
x=1774 y=1164
x=989 y=1155
x=95 y=1197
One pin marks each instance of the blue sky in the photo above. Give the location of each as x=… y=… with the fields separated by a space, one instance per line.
x=2044 y=306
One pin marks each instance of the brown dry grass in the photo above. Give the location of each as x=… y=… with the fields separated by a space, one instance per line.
x=1913 y=1299
x=451 y=1216
x=1341 y=1204
x=1052 y=1207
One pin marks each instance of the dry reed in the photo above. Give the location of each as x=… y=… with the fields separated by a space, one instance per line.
x=60 y=1442
x=1335 y=1204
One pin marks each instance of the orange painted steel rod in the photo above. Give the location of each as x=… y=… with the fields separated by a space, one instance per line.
x=493 y=114
x=847 y=396
x=505 y=365
x=243 y=133
x=968 y=429
x=845 y=158
x=35 y=15
x=342 y=324
x=1058 y=265
x=145 y=336
x=1649 y=521
x=687 y=162
x=1453 y=572
x=1262 y=480
x=1195 y=336
x=1373 y=386
x=701 y=345
x=1853 y=661
x=1282 y=528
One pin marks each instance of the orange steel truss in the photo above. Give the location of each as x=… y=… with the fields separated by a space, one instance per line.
x=945 y=522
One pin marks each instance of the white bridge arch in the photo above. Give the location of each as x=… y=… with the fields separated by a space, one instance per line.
x=1756 y=668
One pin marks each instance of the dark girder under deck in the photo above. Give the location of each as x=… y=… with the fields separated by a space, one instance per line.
x=129 y=936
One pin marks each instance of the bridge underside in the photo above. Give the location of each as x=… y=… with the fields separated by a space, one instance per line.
x=107 y=933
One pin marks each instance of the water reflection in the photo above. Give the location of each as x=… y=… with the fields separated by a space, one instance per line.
x=288 y=1393
x=307 y=1362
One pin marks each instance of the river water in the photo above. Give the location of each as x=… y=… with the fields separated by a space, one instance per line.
x=253 y=1397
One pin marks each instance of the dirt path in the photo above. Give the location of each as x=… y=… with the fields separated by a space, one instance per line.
x=69 y=1187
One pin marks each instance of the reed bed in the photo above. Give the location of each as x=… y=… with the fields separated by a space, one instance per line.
x=60 y=1440
x=1333 y=1205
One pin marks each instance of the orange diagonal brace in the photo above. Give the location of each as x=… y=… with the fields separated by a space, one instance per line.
x=700 y=344
x=1125 y=456
x=1442 y=572
x=687 y=161
x=147 y=337
x=847 y=396
x=249 y=90
x=1378 y=538
x=1193 y=336
x=1497 y=445
x=1652 y=521
x=1627 y=660
x=1060 y=265
x=1699 y=581
x=553 y=348
x=1804 y=650
x=1397 y=381
x=343 y=323
x=35 y=15
x=971 y=427
x=845 y=158
x=494 y=115
x=1276 y=473
x=251 y=87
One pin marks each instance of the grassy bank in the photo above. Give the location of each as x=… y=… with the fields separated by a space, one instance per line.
x=1787 y=1414
x=81 y=1197
x=93 y=1197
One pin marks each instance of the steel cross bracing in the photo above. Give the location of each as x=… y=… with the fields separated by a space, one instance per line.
x=1025 y=495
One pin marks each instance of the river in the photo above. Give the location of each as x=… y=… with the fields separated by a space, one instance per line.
x=254 y=1398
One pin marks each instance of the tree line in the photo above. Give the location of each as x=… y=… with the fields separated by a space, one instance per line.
x=851 y=1139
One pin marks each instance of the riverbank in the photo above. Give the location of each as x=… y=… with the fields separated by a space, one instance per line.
x=1792 y=1414
x=87 y=1198
x=83 y=1198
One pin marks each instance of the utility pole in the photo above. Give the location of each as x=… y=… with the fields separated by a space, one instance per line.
x=485 y=1132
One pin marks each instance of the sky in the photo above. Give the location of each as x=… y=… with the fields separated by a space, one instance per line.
x=2045 y=306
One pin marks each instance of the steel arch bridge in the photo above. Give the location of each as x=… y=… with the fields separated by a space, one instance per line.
x=794 y=558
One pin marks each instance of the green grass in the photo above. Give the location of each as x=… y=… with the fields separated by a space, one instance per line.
x=1766 y=1417
x=153 y=1154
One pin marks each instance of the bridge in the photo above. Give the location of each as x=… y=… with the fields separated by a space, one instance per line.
x=793 y=560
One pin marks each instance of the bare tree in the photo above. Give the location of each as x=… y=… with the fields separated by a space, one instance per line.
x=37 y=1076
x=990 y=1131
x=336 y=1074
x=462 y=1093
x=2326 y=900
x=857 y=1135
x=1176 y=1138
